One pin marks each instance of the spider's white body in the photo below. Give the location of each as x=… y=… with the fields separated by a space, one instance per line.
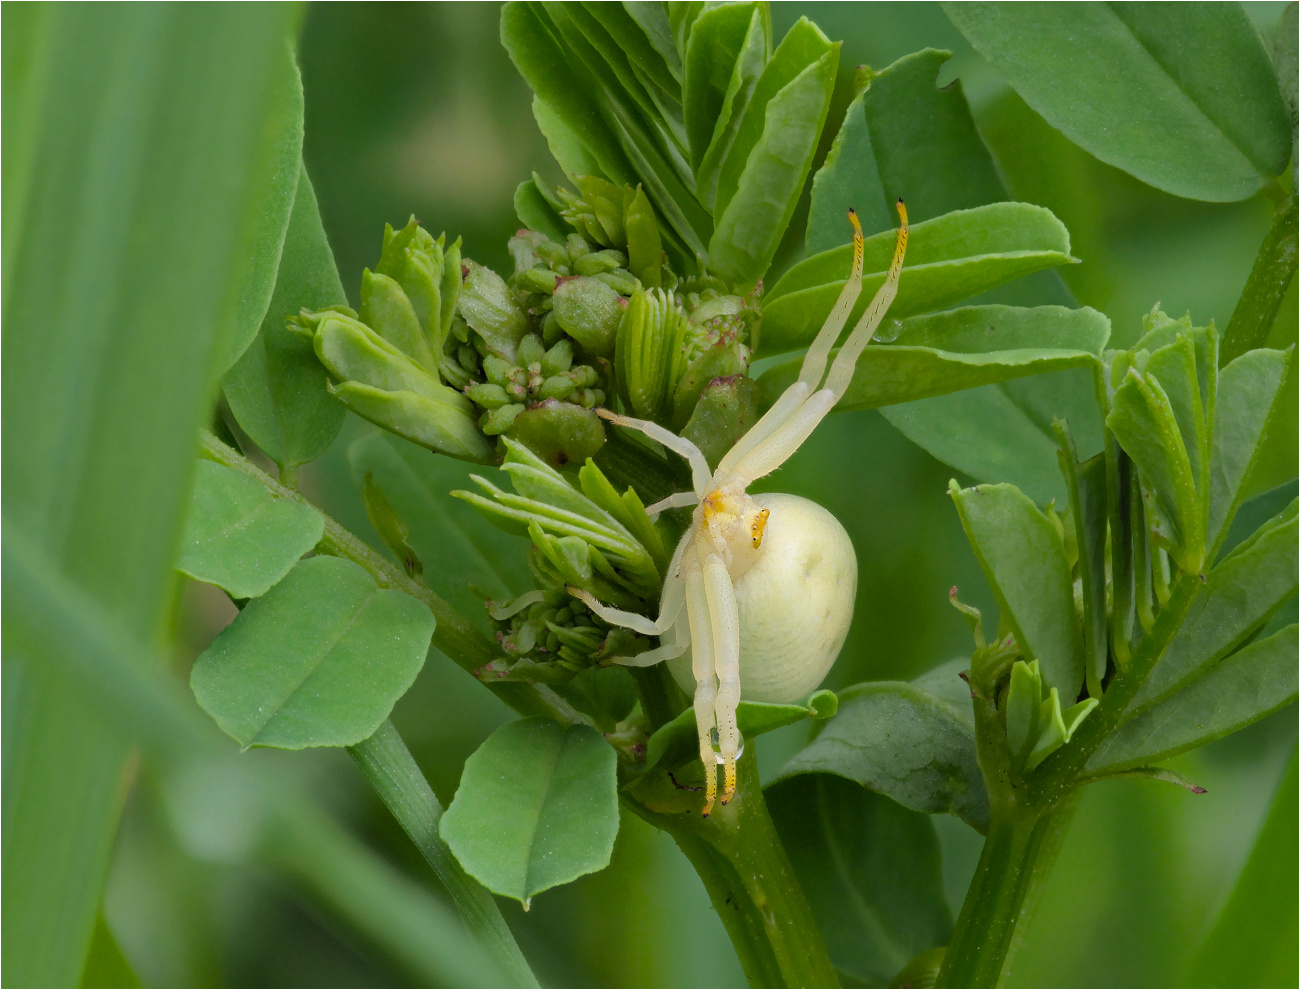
x=760 y=589
x=795 y=604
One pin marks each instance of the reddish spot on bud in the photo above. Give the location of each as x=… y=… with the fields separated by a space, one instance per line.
x=1199 y=790
x=464 y=272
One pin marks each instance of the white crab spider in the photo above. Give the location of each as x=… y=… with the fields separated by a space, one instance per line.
x=765 y=619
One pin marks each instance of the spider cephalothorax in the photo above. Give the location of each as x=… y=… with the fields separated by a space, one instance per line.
x=759 y=593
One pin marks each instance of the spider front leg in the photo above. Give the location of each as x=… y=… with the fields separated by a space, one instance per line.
x=724 y=618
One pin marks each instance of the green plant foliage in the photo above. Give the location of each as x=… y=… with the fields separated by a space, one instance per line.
x=277 y=387
x=1240 y=690
x=1023 y=556
x=960 y=349
x=949 y=259
x=904 y=742
x=719 y=52
x=871 y=870
x=1233 y=603
x=319 y=660
x=902 y=136
x=536 y=807
x=678 y=741
x=1141 y=87
x=239 y=536
x=133 y=230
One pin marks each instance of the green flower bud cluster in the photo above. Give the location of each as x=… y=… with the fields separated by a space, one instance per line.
x=584 y=535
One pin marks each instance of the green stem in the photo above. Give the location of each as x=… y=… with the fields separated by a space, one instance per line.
x=395 y=776
x=1016 y=860
x=750 y=881
x=1274 y=268
x=454 y=635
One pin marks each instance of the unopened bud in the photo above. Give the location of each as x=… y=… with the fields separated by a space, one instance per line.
x=488 y=305
x=442 y=426
x=726 y=409
x=387 y=310
x=559 y=432
x=590 y=312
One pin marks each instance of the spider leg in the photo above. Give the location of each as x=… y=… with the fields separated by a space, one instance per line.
x=701 y=476
x=679 y=500
x=814 y=362
x=725 y=617
x=706 y=685
x=649 y=658
x=669 y=607
x=842 y=370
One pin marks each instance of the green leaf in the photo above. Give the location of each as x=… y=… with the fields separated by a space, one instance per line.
x=443 y=529
x=1250 y=397
x=134 y=189
x=1145 y=87
x=277 y=388
x=1086 y=487
x=1250 y=684
x=949 y=259
x=719 y=37
x=319 y=660
x=535 y=212
x=239 y=536
x=1003 y=432
x=906 y=137
x=902 y=741
x=1023 y=557
x=803 y=45
x=1237 y=598
x=646 y=38
x=872 y=872
x=537 y=807
x=745 y=73
x=678 y=741
x=754 y=219
x=958 y=349
x=1253 y=941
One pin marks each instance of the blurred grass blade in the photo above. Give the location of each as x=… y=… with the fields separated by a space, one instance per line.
x=1253 y=944
x=1141 y=86
x=146 y=152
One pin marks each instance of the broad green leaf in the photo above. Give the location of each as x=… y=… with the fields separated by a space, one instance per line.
x=1144 y=87
x=872 y=872
x=537 y=807
x=717 y=41
x=1023 y=558
x=566 y=146
x=134 y=191
x=226 y=807
x=277 y=388
x=1251 y=683
x=745 y=74
x=901 y=741
x=444 y=530
x=749 y=230
x=653 y=20
x=911 y=139
x=281 y=159
x=1003 y=432
x=959 y=349
x=319 y=660
x=1237 y=598
x=1250 y=394
x=1253 y=941
x=803 y=45
x=949 y=259
x=678 y=741
x=239 y=536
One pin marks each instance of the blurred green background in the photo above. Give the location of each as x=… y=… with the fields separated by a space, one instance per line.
x=415 y=108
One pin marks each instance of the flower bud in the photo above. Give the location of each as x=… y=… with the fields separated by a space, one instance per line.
x=726 y=409
x=649 y=357
x=387 y=310
x=590 y=312
x=353 y=352
x=488 y=305
x=723 y=360
x=600 y=262
x=644 y=247
x=559 y=432
x=442 y=426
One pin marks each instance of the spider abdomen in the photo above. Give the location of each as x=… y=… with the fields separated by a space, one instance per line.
x=795 y=603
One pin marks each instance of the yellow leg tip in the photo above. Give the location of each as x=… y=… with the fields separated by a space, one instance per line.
x=729 y=781
x=710 y=789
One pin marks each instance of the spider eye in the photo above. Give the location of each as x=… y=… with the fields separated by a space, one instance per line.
x=756 y=529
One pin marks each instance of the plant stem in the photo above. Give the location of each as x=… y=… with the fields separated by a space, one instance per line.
x=1016 y=859
x=454 y=635
x=750 y=881
x=1274 y=268
x=395 y=776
